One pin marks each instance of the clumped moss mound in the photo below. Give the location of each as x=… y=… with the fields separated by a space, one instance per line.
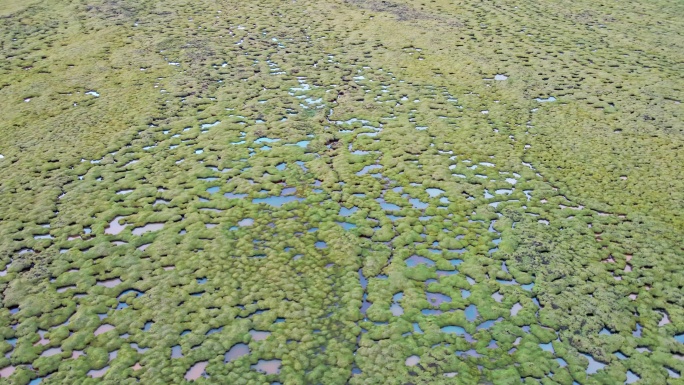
x=341 y=192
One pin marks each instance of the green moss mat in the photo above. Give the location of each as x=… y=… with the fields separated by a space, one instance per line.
x=341 y=192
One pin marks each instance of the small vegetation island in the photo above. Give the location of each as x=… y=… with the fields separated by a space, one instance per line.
x=341 y=192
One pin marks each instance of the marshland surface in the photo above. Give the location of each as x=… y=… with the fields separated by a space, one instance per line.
x=341 y=192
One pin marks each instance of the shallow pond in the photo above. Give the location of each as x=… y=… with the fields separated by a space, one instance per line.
x=103 y=329
x=196 y=370
x=230 y=195
x=547 y=347
x=487 y=324
x=416 y=260
x=437 y=299
x=387 y=206
x=418 y=204
x=267 y=366
x=148 y=228
x=277 y=201
x=176 y=351
x=366 y=169
x=7 y=371
x=346 y=225
x=395 y=308
x=258 y=335
x=236 y=352
x=594 y=366
x=471 y=313
x=456 y=330
x=631 y=377
x=412 y=360
x=51 y=352
x=109 y=283
x=98 y=373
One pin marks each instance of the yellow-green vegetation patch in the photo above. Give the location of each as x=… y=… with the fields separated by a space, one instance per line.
x=341 y=192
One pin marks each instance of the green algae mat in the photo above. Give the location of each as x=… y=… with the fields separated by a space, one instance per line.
x=341 y=192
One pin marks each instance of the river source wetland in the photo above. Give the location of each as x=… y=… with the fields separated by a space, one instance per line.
x=333 y=192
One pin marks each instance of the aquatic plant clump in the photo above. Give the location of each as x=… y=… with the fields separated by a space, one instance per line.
x=341 y=192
